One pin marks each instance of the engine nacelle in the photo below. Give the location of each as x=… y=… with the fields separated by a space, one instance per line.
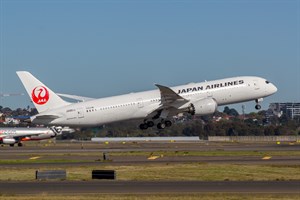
x=8 y=141
x=203 y=107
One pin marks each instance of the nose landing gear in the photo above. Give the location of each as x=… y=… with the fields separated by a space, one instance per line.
x=257 y=101
x=258 y=107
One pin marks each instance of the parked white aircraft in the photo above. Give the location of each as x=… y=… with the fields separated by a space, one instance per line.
x=156 y=106
x=15 y=135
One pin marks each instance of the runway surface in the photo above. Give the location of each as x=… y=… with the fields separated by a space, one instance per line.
x=146 y=187
x=146 y=147
x=76 y=154
x=87 y=153
x=63 y=155
x=142 y=160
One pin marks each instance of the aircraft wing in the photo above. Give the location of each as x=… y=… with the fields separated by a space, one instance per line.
x=75 y=97
x=169 y=97
x=170 y=101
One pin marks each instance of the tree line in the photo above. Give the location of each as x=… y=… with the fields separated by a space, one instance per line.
x=226 y=123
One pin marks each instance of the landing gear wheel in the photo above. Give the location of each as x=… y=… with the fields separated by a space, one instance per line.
x=258 y=107
x=11 y=145
x=143 y=126
x=20 y=144
x=168 y=123
x=150 y=123
x=161 y=125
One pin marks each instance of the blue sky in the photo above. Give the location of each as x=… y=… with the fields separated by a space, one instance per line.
x=105 y=48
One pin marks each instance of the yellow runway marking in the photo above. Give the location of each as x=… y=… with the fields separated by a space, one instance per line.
x=153 y=157
x=34 y=158
x=266 y=158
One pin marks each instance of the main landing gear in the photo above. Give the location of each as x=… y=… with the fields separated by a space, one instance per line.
x=19 y=144
x=161 y=125
x=146 y=124
x=164 y=124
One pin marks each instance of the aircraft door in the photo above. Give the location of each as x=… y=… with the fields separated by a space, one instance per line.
x=256 y=85
x=140 y=103
x=80 y=112
x=71 y=114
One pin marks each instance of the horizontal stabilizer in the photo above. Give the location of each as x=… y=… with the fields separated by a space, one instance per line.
x=47 y=117
x=75 y=97
x=43 y=119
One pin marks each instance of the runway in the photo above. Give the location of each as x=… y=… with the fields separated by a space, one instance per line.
x=148 y=187
x=71 y=155
x=76 y=154
x=74 y=147
x=142 y=160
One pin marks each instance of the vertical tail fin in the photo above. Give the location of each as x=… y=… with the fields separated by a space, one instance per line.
x=42 y=97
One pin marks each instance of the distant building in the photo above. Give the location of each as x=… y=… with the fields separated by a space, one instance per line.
x=292 y=110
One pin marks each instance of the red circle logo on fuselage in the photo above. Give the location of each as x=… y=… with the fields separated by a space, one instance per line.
x=40 y=95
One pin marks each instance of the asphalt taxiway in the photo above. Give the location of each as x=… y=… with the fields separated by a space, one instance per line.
x=90 y=153
x=148 y=187
x=67 y=147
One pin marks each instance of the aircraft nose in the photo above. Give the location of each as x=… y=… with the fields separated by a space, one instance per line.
x=273 y=89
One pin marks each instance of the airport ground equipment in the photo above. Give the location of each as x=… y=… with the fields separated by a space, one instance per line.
x=51 y=174
x=103 y=174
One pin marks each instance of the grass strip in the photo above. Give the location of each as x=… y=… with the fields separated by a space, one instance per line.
x=165 y=171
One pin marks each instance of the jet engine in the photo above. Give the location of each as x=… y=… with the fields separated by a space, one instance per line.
x=203 y=107
x=8 y=141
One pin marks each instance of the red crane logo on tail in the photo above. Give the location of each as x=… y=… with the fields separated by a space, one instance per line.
x=40 y=95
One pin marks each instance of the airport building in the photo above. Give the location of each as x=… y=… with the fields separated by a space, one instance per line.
x=292 y=110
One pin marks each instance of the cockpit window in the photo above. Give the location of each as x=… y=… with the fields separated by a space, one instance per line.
x=267 y=82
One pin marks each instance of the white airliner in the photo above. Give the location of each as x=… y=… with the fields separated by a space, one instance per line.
x=12 y=136
x=152 y=107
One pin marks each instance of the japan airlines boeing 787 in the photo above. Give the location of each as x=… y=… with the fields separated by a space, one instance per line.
x=152 y=107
